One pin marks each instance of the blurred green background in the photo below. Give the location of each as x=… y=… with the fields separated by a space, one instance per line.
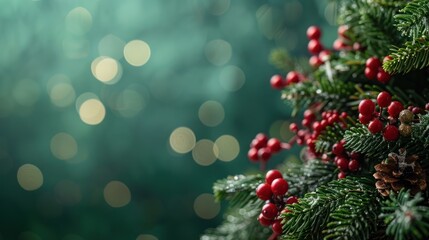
x=117 y=116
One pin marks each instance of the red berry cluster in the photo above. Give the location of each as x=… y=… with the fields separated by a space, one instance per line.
x=376 y=120
x=315 y=47
x=278 y=82
x=273 y=191
x=345 y=161
x=313 y=127
x=343 y=43
x=261 y=148
x=374 y=70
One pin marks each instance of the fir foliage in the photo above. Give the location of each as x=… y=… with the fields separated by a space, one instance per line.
x=421 y=131
x=239 y=190
x=239 y=223
x=317 y=213
x=405 y=216
x=413 y=55
x=413 y=19
x=306 y=178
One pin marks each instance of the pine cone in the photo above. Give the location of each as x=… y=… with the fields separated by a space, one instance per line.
x=399 y=171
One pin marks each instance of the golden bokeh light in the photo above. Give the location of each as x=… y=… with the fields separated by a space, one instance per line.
x=228 y=148
x=232 y=78
x=129 y=103
x=30 y=177
x=63 y=146
x=117 y=194
x=111 y=46
x=182 y=140
x=146 y=237
x=206 y=207
x=62 y=94
x=205 y=152
x=92 y=111
x=107 y=70
x=218 y=52
x=79 y=21
x=137 y=52
x=211 y=113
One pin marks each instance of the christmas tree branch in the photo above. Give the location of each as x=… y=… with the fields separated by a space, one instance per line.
x=306 y=178
x=239 y=223
x=405 y=216
x=421 y=130
x=239 y=190
x=413 y=56
x=308 y=218
x=413 y=19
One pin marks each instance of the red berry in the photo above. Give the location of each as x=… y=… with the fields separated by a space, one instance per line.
x=373 y=63
x=366 y=107
x=274 y=145
x=342 y=164
x=264 y=154
x=253 y=154
x=391 y=133
x=342 y=30
x=383 y=76
x=305 y=122
x=324 y=55
x=269 y=211
x=291 y=200
x=358 y=47
x=292 y=77
x=387 y=58
x=370 y=73
x=277 y=82
x=279 y=186
x=395 y=108
x=315 y=61
x=308 y=114
x=263 y=191
x=277 y=227
x=313 y=32
x=317 y=127
x=341 y=175
x=427 y=106
x=257 y=144
x=384 y=99
x=314 y=47
x=343 y=115
x=271 y=175
x=338 y=149
x=375 y=126
x=263 y=221
x=365 y=119
x=355 y=155
x=416 y=110
x=262 y=137
x=293 y=127
x=354 y=165
x=339 y=44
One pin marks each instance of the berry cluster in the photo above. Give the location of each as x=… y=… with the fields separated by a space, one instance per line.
x=273 y=191
x=343 y=43
x=278 y=82
x=345 y=161
x=313 y=127
x=315 y=47
x=261 y=148
x=374 y=70
x=376 y=119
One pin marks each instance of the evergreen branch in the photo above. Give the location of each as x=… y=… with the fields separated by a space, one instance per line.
x=239 y=190
x=413 y=19
x=405 y=216
x=308 y=218
x=239 y=223
x=306 y=178
x=331 y=135
x=421 y=131
x=413 y=56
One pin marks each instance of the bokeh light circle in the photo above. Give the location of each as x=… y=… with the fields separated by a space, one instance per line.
x=204 y=153
x=117 y=194
x=63 y=146
x=206 y=207
x=62 y=94
x=79 y=21
x=182 y=140
x=107 y=70
x=30 y=177
x=218 y=52
x=228 y=148
x=232 y=78
x=137 y=52
x=92 y=111
x=211 y=113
